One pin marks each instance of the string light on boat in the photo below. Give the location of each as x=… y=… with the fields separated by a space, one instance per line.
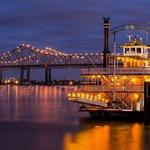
x=133 y=80
x=136 y=96
x=87 y=96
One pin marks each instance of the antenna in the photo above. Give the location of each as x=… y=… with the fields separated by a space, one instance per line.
x=137 y=35
x=146 y=37
x=129 y=37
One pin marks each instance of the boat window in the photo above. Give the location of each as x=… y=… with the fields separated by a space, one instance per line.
x=126 y=50
x=138 y=50
x=133 y=50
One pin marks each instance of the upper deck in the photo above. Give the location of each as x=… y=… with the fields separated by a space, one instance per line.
x=134 y=60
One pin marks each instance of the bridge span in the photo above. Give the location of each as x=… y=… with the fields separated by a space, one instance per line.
x=25 y=57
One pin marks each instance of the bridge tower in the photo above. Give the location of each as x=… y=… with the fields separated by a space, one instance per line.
x=25 y=74
x=106 y=41
x=22 y=74
x=28 y=74
x=47 y=75
x=1 y=76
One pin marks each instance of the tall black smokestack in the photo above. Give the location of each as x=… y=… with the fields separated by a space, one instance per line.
x=106 y=40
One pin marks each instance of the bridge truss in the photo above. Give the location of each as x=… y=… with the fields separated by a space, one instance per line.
x=27 y=55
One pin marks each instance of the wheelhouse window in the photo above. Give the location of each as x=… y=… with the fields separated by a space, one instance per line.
x=133 y=50
x=138 y=50
x=126 y=50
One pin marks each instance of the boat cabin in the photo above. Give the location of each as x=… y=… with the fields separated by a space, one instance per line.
x=135 y=47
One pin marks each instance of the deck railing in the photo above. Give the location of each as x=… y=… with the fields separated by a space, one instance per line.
x=92 y=71
x=104 y=88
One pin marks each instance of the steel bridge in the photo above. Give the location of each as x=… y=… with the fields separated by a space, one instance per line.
x=26 y=57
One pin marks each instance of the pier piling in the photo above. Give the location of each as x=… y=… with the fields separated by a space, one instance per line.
x=147 y=102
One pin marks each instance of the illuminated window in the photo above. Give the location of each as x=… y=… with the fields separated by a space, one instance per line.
x=138 y=50
x=133 y=50
x=126 y=50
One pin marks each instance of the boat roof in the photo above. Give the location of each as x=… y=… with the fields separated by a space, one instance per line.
x=135 y=42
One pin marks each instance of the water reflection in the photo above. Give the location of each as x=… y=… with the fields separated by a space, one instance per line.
x=106 y=137
x=35 y=103
x=90 y=139
x=46 y=120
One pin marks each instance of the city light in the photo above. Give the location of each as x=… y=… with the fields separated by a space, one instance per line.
x=11 y=81
x=70 y=83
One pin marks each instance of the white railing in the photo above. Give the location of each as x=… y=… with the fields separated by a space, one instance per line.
x=90 y=102
x=92 y=71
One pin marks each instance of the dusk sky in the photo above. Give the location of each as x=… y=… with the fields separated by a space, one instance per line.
x=65 y=24
x=68 y=25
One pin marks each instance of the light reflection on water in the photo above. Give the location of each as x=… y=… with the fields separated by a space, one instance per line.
x=109 y=137
x=35 y=103
x=40 y=117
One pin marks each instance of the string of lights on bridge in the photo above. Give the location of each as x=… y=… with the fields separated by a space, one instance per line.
x=27 y=54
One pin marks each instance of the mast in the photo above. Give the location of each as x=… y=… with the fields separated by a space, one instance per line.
x=114 y=67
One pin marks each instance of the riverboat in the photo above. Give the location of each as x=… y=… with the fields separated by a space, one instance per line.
x=118 y=89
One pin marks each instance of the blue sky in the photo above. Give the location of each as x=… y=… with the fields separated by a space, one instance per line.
x=68 y=25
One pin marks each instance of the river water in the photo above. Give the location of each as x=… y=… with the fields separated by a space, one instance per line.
x=41 y=118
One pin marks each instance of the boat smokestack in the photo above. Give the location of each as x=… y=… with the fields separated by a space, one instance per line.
x=106 y=40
